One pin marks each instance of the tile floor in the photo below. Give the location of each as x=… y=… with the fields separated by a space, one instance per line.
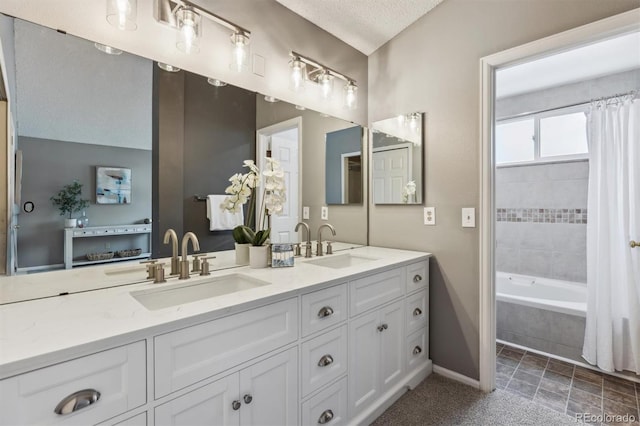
x=565 y=387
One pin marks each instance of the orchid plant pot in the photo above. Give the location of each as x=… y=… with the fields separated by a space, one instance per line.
x=70 y=223
x=242 y=254
x=258 y=256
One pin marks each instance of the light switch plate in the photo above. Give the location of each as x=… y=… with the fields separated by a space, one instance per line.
x=305 y=212
x=468 y=217
x=429 y=215
x=324 y=213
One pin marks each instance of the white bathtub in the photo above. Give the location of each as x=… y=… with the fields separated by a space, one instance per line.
x=553 y=295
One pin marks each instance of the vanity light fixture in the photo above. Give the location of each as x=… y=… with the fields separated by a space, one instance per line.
x=215 y=82
x=122 y=14
x=168 y=67
x=306 y=69
x=186 y=17
x=107 y=49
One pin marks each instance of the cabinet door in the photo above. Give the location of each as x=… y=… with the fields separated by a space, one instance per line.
x=364 y=361
x=211 y=405
x=393 y=343
x=269 y=391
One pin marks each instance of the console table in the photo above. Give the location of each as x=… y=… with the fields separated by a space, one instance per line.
x=102 y=231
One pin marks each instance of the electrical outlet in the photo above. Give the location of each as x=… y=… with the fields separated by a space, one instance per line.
x=429 y=215
x=468 y=217
x=324 y=213
x=305 y=212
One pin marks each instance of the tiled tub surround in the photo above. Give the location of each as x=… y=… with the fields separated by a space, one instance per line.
x=541 y=220
x=564 y=387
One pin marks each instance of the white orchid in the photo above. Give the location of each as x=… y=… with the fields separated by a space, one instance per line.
x=408 y=190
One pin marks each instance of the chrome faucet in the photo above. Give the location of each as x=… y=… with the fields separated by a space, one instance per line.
x=319 y=243
x=184 y=264
x=307 y=252
x=171 y=236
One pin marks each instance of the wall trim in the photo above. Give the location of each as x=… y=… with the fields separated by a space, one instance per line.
x=616 y=25
x=449 y=374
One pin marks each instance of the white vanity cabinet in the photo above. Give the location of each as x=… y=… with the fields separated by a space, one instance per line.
x=264 y=393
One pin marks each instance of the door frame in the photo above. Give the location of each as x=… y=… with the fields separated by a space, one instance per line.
x=262 y=136
x=613 y=26
x=344 y=176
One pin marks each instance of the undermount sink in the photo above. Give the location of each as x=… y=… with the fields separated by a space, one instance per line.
x=182 y=293
x=340 y=261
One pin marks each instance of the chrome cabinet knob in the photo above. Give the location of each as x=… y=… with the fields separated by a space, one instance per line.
x=325 y=417
x=77 y=401
x=383 y=327
x=236 y=405
x=417 y=312
x=325 y=311
x=417 y=350
x=247 y=399
x=325 y=360
x=417 y=278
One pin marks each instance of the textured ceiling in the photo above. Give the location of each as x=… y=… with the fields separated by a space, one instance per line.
x=363 y=24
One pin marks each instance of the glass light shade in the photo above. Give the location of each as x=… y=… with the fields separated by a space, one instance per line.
x=325 y=80
x=122 y=14
x=239 y=52
x=107 y=49
x=189 y=30
x=168 y=67
x=351 y=95
x=414 y=122
x=215 y=82
x=298 y=69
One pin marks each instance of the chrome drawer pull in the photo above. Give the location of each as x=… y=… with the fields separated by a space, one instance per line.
x=417 y=312
x=236 y=405
x=247 y=399
x=417 y=350
x=325 y=312
x=325 y=417
x=77 y=401
x=417 y=278
x=325 y=360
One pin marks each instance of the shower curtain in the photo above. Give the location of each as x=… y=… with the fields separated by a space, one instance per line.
x=612 y=335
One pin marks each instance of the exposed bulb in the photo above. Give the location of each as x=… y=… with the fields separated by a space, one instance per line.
x=351 y=95
x=326 y=84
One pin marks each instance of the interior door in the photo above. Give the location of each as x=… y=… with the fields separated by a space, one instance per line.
x=285 y=150
x=390 y=174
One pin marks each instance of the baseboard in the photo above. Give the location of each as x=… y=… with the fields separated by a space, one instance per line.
x=456 y=376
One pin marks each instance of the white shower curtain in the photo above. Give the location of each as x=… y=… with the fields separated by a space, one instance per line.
x=612 y=335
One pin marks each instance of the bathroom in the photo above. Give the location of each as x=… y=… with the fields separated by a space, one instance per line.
x=443 y=49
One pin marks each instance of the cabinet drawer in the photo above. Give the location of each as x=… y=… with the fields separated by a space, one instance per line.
x=417 y=276
x=417 y=348
x=139 y=420
x=192 y=354
x=368 y=292
x=327 y=407
x=417 y=305
x=119 y=375
x=324 y=359
x=323 y=308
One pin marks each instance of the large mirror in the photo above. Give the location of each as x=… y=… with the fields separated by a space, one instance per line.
x=397 y=159
x=180 y=135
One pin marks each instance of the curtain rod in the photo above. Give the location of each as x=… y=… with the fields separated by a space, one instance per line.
x=634 y=93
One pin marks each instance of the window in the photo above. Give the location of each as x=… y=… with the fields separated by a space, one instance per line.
x=553 y=135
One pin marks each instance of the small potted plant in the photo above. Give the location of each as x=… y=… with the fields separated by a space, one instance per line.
x=68 y=201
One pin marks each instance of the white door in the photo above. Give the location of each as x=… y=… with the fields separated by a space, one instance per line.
x=284 y=148
x=364 y=362
x=269 y=391
x=211 y=405
x=391 y=354
x=391 y=171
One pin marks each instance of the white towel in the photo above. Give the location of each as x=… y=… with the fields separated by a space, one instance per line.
x=221 y=220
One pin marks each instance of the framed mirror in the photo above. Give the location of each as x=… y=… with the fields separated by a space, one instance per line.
x=397 y=160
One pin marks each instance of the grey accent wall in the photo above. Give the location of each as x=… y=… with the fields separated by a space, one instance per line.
x=338 y=143
x=204 y=135
x=555 y=249
x=443 y=49
x=350 y=221
x=49 y=165
x=8 y=50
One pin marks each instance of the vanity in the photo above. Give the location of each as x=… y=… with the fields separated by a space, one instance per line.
x=334 y=340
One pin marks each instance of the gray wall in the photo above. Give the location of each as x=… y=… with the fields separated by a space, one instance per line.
x=444 y=48
x=338 y=143
x=8 y=50
x=70 y=91
x=204 y=135
x=550 y=246
x=49 y=165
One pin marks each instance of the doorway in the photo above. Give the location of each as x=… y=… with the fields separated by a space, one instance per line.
x=283 y=142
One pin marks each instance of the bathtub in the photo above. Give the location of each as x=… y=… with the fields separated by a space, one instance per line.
x=541 y=313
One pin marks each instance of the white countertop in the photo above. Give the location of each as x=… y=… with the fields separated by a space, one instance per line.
x=39 y=332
